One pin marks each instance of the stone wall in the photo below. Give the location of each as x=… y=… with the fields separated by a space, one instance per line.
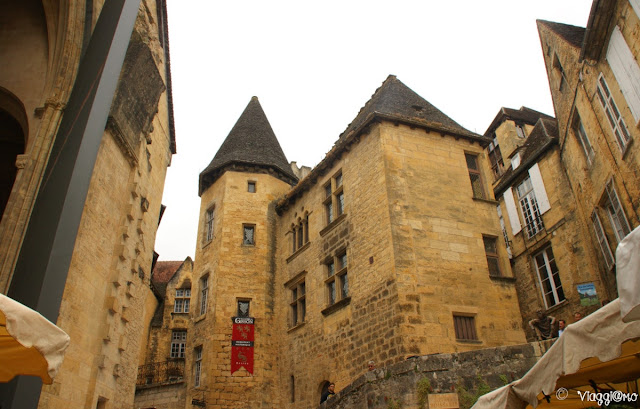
x=161 y=397
x=444 y=376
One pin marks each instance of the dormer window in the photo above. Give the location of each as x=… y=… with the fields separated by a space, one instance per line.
x=515 y=160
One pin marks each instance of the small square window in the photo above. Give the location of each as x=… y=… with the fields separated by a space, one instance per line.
x=465 y=328
x=243 y=308
x=248 y=235
x=251 y=187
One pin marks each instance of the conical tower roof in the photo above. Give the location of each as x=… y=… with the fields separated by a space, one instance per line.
x=250 y=146
x=395 y=101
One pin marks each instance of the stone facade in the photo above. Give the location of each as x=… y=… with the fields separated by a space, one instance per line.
x=107 y=303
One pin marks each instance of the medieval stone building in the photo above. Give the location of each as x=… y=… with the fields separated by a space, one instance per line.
x=84 y=264
x=413 y=236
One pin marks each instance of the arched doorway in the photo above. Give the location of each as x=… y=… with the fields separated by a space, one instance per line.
x=12 y=143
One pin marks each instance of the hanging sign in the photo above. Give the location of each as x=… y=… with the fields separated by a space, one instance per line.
x=242 y=344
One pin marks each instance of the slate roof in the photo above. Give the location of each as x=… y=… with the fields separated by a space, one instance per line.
x=394 y=100
x=524 y=114
x=572 y=34
x=543 y=136
x=251 y=142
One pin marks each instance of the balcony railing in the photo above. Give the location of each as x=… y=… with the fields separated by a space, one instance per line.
x=160 y=373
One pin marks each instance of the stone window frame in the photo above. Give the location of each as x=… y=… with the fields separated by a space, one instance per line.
x=529 y=207
x=583 y=138
x=464 y=326
x=209 y=218
x=495 y=158
x=248 y=241
x=182 y=301
x=491 y=251
x=548 y=275
x=336 y=282
x=178 y=343
x=475 y=175
x=601 y=237
x=204 y=293
x=613 y=115
x=298 y=301
x=334 y=197
x=612 y=206
x=197 y=366
x=252 y=186
x=300 y=232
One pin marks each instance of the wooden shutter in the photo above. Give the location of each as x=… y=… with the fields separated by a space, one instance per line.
x=539 y=190
x=510 y=204
x=626 y=70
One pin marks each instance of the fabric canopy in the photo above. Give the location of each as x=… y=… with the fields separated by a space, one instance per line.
x=602 y=350
x=29 y=343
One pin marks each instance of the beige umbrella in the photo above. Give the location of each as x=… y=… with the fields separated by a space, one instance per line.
x=29 y=343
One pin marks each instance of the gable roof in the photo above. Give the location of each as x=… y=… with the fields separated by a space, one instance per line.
x=251 y=143
x=543 y=136
x=522 y=115
x=394 y=100
x=574 y=35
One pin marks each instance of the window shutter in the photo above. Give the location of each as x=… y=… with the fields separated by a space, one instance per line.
x=626 y=70
x=512 y=212
x=538 y=188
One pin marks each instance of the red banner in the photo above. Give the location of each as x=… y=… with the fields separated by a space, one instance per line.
x=242 y=336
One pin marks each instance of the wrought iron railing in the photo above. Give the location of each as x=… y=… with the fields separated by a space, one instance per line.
x=160 y=373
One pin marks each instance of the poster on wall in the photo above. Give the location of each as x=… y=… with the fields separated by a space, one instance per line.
x=242 y=337
x=588 y=294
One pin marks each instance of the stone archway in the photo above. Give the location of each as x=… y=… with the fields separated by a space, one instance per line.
x=13 y=138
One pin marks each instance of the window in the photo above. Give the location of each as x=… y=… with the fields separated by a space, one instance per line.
x=197 y=367
x=182 y=300
x=505 y=236
x=204 y=290
x=584 y=139
x=520 y=131
x=248 y=234
x=626 y=71
x=491 y=250
x=474 y=175
x=549 y=277
x=209 y=225
x=616 y=214
x=602 y=239
x=251 y=187
x=529 y=208
x=613 y=114
x=334 y=198
x=337 y=282
x=298 y=303
x=178 y=343
x=243 y=308
x=495 y=157
x=560 y=72
x=465 y=327
x=300 y=232
x=293 y=389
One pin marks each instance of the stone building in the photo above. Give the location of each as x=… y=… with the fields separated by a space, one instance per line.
x=548 y=244
x=365 y=258
x=594 y=79
x=83 y=263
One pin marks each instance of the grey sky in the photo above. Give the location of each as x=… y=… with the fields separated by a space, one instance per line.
x=313 y=65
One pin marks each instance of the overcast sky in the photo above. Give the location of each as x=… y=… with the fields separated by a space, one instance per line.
x=313 y=65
